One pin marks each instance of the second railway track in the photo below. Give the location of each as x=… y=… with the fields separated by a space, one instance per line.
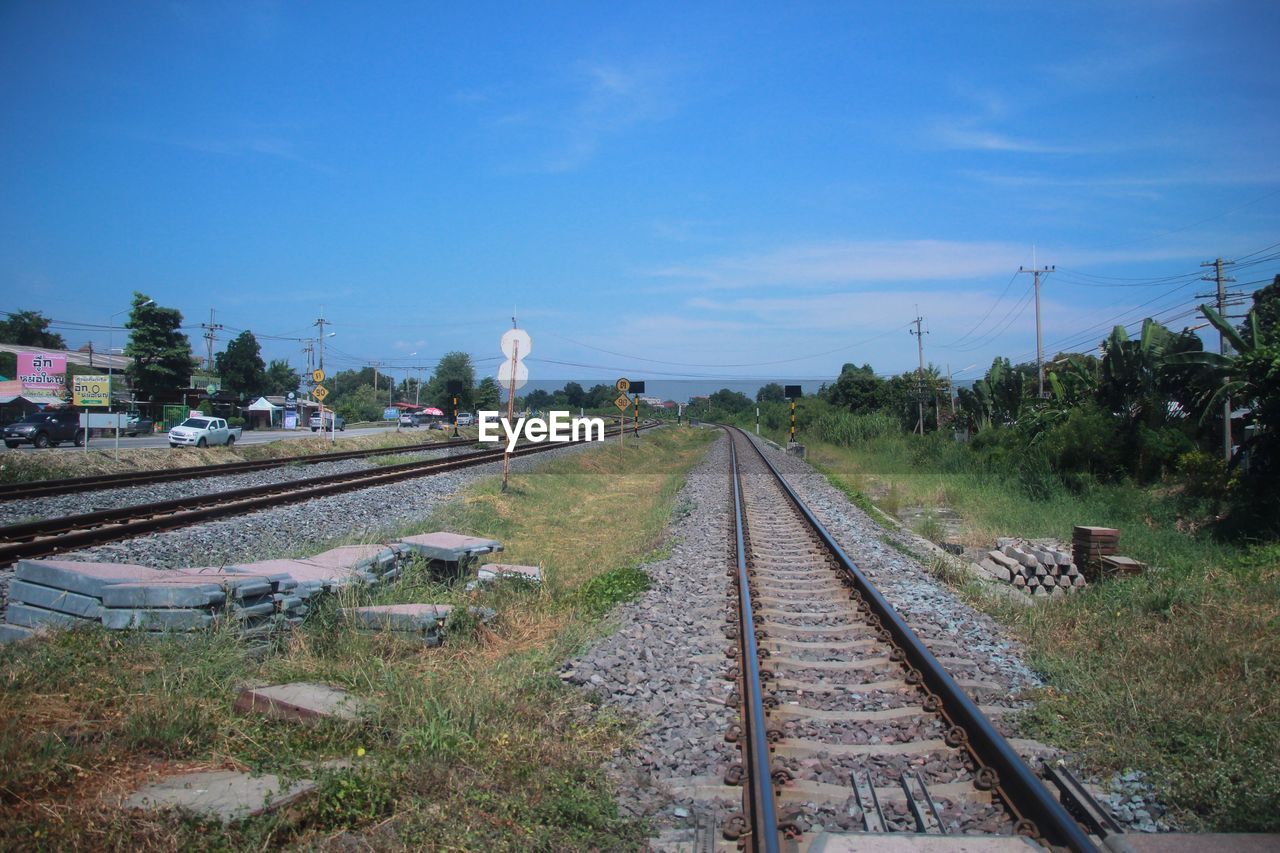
x=49 y=537
x=821 y=658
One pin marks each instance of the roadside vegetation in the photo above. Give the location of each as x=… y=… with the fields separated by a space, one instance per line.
x=1176 y=671
x=472 y=745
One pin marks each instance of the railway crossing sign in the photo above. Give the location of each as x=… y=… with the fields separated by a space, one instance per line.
x=317 y=376
x=320 y=392
x=622 y=402
x=623 y=385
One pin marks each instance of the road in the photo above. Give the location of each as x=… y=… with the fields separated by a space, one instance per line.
x=248 y=437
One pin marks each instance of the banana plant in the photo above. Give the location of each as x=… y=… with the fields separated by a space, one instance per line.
x=1250 y=376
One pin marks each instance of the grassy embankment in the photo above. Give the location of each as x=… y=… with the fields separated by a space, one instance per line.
x=1176 y=672
x=25 y=466
x=474 y=745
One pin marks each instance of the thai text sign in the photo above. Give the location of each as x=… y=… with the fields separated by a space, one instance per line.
x=91 y=390
x=40 y=371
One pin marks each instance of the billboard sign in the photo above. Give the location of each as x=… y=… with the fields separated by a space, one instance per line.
x=91 y=390
x=39 y=371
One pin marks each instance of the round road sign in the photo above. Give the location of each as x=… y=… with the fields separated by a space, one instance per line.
x=623 y=385
x=504 y=375
x=511 y=338
x=317 y=375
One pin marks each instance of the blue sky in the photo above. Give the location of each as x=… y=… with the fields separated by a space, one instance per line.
x=726 y=189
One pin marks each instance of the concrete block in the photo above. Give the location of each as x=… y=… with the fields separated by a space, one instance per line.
x=174 y=619
x=1019 y=581
x=1078 y=581
x=84 y=577
x=84 y=606
x=996 y=571
x=168 y=593
x=28 y=616
x=17 y=633
x=223 y=794
x=301 y=701
x=1000 y=558
x=398 y=617
x=1005 y=541
x=236 y=584
x=494 y=571
x=450 y=547
x=1040 y=592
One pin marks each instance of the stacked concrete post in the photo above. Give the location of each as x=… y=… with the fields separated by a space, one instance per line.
x=1039 y=568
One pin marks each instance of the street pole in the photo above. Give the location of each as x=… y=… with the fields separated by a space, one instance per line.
x=1036 y=273
x=920 y=373
x=1221 y=300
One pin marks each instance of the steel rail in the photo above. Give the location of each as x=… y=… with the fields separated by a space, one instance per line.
x=66 y=485
x=1015 y=782
x=45 y=538
x=758 y=803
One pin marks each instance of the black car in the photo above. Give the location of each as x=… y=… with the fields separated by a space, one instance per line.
x=45 y=429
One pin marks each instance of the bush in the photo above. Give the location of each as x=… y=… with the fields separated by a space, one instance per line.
x=1088 y=441
x=846 y=429
x=1203 y=475
x=235 y=422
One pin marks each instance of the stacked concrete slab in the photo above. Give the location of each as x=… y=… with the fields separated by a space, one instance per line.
x=257 y=597
x=1038 y=567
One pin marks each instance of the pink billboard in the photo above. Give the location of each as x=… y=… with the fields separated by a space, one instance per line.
x=40 y=371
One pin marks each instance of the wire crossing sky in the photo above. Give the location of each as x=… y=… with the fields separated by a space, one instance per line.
x=684 y=190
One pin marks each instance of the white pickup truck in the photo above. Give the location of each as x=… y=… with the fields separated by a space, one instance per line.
x=202 y=432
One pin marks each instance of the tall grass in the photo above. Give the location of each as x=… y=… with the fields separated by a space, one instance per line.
x=1176 y=672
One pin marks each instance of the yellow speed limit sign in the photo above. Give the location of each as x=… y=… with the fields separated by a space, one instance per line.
x=320 y=392
x=623 y=385
x=317 y=375
x=622 y=402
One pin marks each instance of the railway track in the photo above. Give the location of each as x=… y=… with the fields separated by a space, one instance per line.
x=48 y=537
x=837 y=696
x=70 y=485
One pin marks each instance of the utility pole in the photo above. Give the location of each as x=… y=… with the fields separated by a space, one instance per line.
x=920 y=374
x=1221 y=300
x=209 y=329
x=1037 y=272
x=321 y=321
x=310 y=352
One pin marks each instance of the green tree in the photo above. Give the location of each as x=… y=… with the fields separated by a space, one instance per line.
x=280 y=378
x=453 y=366
x=1266 y=310
x=161 y=353
x=29 y=328
x=1250 y=378
x=857 y=389
x=361 y=403
x=574 y=394
x=241 y=366
x=488 y=395
x=771 y=393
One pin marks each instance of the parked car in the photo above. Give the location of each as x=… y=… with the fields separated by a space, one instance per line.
x=202 y=432
x=466 y=419
x=45 y=429
x=328 y=423
x=138 y=424
x=406 y=420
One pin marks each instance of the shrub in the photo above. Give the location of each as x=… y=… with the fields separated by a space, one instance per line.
x=1089 y=440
